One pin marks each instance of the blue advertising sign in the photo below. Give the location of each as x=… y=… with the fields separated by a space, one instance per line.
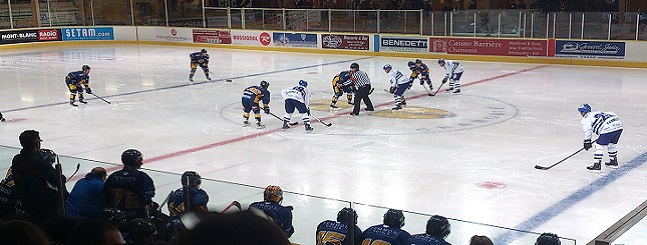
x=302 y=40
x=95 y=33
x=404 y=44
x=590 y=49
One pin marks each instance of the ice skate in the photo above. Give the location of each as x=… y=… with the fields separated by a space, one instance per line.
x=285 y=125
x=208 y=78
x=431 y=87
x=397 y=107
x=72 y=103
x=246 y=123
x=613 y=162
x=82 y=101
x=333 y=106
x=2 y=118
x=404 y=102
x=260 y=125
x=351 y=103
x=308 y=128
x=597 y=165
x=457 y=91
x=190 y=79
x=450 y=89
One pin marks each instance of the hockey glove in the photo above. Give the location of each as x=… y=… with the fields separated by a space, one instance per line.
x=266 y=109
x=308 y=112
x=587 y=144
x=392 y=90
x=88 y=90
x=445 y=80
x=422 y=82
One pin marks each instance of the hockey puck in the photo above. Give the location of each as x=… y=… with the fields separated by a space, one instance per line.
x=228 y=80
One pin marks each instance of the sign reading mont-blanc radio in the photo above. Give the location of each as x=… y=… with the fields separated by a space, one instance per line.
x=28 y=36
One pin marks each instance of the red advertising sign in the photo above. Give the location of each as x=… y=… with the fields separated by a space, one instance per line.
x=211 y=36
x=50 y=34
x=484 y=46
x=352 y=42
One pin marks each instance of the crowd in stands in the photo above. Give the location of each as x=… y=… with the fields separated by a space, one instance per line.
x=102 y=209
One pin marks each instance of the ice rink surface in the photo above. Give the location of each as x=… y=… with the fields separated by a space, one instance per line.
x=470 y=157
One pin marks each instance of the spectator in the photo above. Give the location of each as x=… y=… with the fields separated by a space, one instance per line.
x=511 y=5
x=176 y=205
x=389 y=232
x=522 y=5
x=363 y=85
x=271 y=206
x=85 y=200
x=427 y=7
x=473 y=5
x=19 y=232
x=480 y=240
x=448 y=7
x=129 y=189
x=232 y=229
x=436 y=232
x=95 y=232
x=35 y=180
x=331 y=232
x=59 y=228
x=548 y=239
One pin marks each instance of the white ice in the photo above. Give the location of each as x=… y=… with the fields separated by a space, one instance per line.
x=509 y=118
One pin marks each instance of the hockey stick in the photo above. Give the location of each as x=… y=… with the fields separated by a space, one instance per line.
x=426 y=89
x=322 y=122
x=159 y=209
x=100 y=98
x=281 y=119
x=434 y=94
x=549 y=167
x=234 y=203
x=226 y=80
x=78 y=165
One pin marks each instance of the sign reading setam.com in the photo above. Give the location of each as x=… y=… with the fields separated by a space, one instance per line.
x=96 y=33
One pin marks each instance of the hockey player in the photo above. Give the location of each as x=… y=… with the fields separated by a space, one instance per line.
x=75 y=81
x=388 y=233
x=453 y=73
x=2 y=118
x=437 y=230
x=609 y=127
x=251 y=97
x=199 y=59
x=399 y=84
x=419 y=68
x=297 y=97
x=177 y=207
x=271 y=206
x=129 y=189
x=548 y=239
x=341 y=83
x=331 y=232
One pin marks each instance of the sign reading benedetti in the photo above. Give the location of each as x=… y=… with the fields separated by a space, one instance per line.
x=351 y=42
x=28 y=36
x=484 y=46
x=403 y=44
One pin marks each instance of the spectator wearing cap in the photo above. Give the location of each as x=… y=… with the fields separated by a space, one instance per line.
x=86 y=200
x=363 y=84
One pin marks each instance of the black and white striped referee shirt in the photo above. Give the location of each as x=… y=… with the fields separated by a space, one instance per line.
x=360 y=78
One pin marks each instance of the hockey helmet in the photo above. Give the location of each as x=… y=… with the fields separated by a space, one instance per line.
x=354 y=66
x=191 y=178
x=548 y=239
x=418 y=61
x=265 y=84
x=114 y=216
x=441 y=61
x=204 y=51
x=273 y=193
x=584 y=108
x=411 y=65
x=394 y=218
x=387 y=67
x=303 y=83
x=132 y=157
x=48 y=155
x=345 y=213
x=141 y=226
x=438 y=226
x=85 y=67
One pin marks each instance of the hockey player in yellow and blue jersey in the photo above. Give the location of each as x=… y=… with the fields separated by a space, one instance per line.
x=251 y=98
x=176 y=206
x=331 y=232
x=199 y=59
x=271 y=206
x=341 y=83
x=436 y=232
x=75 y=81
x=388 y=233
x=419 y=68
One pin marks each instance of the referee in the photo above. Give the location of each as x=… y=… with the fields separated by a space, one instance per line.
x=363 y=85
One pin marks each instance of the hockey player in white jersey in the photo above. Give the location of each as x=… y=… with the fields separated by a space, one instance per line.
x=453 y=72
x=399 y=84
x=297 y=97
x=609 y=127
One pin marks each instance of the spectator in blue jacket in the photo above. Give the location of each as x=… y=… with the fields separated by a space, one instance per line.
x=85 y=201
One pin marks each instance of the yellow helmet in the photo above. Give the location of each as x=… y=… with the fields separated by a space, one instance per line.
x=273 y=193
